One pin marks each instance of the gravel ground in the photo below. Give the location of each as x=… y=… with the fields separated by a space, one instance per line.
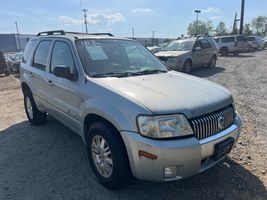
x=49 y=161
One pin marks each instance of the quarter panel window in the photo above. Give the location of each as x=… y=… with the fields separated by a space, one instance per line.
x=41 y=53
x=27 y=51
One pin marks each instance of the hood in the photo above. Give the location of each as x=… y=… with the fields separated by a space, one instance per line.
x=171 y=92
x=170 y=53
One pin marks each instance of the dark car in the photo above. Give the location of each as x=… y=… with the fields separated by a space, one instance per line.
x=3 y=65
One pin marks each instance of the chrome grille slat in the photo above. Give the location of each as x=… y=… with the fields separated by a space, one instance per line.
x=208 y=125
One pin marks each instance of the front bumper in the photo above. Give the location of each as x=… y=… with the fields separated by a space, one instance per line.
x=189 y=155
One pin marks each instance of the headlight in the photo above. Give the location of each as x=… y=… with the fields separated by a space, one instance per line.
x=173 y=59
x=165 y=126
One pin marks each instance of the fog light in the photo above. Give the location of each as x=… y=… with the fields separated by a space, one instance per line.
x=170 y=172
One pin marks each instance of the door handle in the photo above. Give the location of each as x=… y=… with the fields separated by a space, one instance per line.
x=31 y=74
x=50 y=83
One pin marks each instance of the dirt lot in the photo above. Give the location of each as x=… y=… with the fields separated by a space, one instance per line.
x=49 y=161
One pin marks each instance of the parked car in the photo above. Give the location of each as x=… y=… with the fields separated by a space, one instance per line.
x=255 y=42
x=17 y=58
x=186 y=54
x=3 y=65
x=231 y=44
x=134 y=115
x=154 y=49
x=265 y=41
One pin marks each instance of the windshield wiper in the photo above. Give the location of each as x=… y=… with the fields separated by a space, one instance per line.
x=152 y=71
x=112 y=74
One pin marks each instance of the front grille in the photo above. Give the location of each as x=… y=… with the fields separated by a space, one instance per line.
x=210 y=124
x=162 y=58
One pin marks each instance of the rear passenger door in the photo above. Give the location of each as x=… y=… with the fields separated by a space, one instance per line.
x=38 y=72
x=64 y=93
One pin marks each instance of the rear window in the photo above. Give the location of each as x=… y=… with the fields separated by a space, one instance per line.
x=240 y=39
x=228 y=39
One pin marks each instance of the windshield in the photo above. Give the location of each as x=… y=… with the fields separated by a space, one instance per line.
x=179 y=46
x=102 y=58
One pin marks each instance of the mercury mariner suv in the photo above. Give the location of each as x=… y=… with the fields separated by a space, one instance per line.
x=136 y=117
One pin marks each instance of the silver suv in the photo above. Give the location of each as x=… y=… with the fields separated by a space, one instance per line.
x=134 y=115
x=234 y=44
x=186 y=54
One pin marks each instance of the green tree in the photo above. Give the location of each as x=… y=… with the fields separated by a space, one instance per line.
x=258 y=24
x=221 y=29
x=199 y=28
x=247 y=29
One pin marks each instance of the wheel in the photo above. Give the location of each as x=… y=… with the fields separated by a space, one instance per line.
x=187 y=67
x=213 y=61
x=225 y=51
x=107 y=156
x=33 y=114
x=236 y=53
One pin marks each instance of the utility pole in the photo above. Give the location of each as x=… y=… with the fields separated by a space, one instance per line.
x=242 y=17
x=133 y=33
x=85 y=19
x=235 y=26
x=153 y=34
x=197 y=12
x=18 y=35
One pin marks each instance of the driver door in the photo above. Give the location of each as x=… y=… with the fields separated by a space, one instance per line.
x=198 y=55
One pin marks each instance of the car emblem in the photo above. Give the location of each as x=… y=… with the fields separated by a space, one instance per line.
x=221 y=122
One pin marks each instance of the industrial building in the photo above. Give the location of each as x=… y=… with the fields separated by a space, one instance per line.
x=13 y=42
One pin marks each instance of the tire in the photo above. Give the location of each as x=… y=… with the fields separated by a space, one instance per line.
x=225 y=51
x=33 y=114
x=115 y=171
x=187 y=67
x=212 y=63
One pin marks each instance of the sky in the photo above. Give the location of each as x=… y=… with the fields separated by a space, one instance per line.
x=168 y=18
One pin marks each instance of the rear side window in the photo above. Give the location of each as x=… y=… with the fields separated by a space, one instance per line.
x=27 y=51
x=41 y=53
x=250 y=39
x=240 y=38
x=217 y=40
x=228 y=39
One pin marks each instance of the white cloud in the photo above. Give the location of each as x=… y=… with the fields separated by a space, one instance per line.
x=69 y=21
x=216 y=18
x=210 y=10
x=142 y=11
x=94 y=19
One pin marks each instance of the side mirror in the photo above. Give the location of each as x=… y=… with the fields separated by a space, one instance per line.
x=197 y=49
x=63 y=72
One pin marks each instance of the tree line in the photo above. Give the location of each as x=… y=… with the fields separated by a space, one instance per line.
x=256 y=26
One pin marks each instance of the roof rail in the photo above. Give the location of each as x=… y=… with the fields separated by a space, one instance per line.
x=62 y=32
x=108 y=34
x=55 y=32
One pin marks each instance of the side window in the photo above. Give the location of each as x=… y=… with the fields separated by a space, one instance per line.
x=27 y=51
x=205 y=44
x=228 y=39
x=62 y=55
x=216 y=40
x=41 y=53
x=198 y=44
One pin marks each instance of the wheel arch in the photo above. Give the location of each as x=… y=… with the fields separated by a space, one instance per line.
x=25 y=87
